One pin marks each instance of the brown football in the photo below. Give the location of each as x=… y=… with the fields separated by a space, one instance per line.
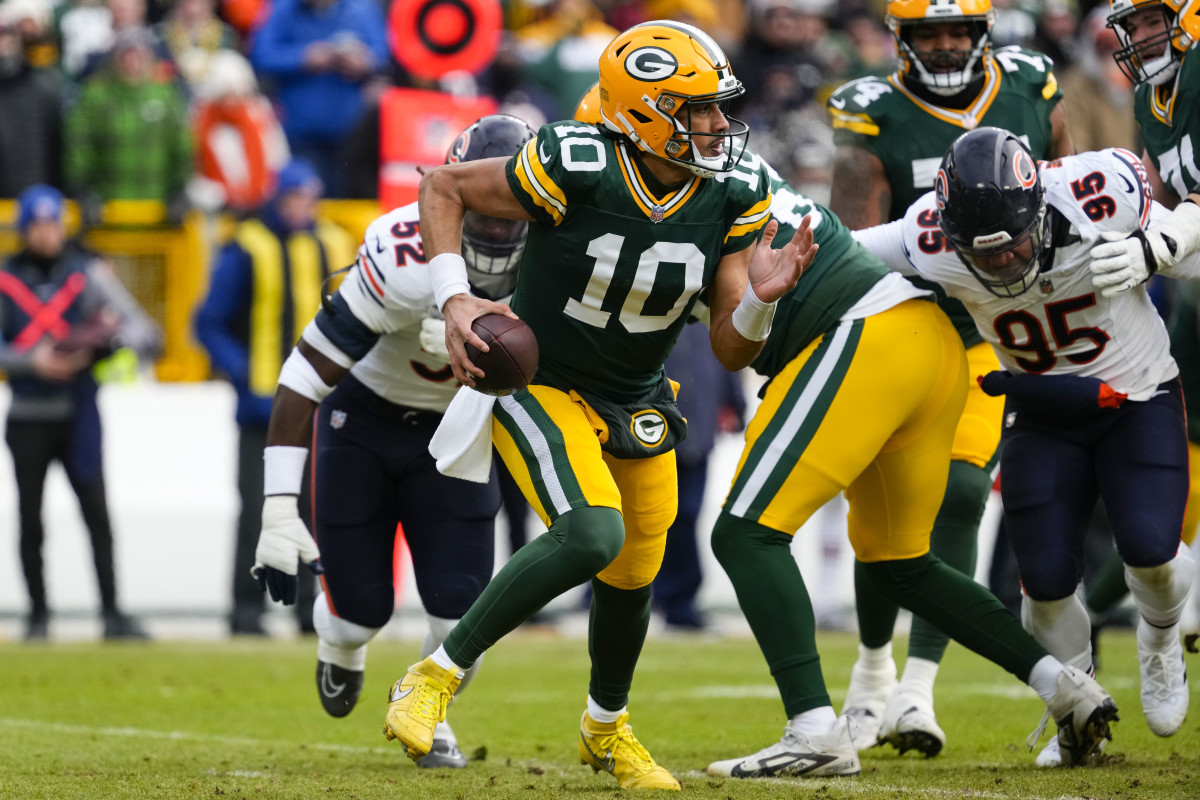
x=512 y=355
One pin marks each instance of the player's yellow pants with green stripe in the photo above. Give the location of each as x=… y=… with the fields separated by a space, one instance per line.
x=870 y=409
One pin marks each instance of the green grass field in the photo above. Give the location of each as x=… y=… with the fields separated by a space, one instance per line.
x=241 y=719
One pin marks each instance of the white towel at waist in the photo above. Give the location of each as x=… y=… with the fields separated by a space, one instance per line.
x=462 y=443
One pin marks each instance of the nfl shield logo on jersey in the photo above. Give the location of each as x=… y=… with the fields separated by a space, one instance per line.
x=656 y=214
x=337 y=419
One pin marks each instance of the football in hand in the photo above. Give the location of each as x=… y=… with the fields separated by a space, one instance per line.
x=512 y=355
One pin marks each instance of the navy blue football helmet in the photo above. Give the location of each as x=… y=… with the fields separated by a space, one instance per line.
x=992 y=209
x=491 y=246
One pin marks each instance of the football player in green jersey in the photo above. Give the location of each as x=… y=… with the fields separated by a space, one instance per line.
x=1158 y=53
x=867 y=382
x=890 y=134
x=630 y=221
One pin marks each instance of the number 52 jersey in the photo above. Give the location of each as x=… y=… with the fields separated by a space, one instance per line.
x=1062 y=325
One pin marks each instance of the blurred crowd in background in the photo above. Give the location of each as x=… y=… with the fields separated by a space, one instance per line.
x=136 y=99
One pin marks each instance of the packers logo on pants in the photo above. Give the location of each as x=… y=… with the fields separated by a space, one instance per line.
x=649 y=427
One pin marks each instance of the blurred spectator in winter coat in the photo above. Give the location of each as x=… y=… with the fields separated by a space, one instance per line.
x=1097 y=95
x=314 y=57
x=128 y=137
x=30 y=120
x=240 y=145
x=193 y=35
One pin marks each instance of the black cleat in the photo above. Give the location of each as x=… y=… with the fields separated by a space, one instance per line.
x=120 y=627
x=339 y=688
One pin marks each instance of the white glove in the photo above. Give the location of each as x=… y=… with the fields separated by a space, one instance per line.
x=433 y=338
x=283 y=543
x=1121 y=263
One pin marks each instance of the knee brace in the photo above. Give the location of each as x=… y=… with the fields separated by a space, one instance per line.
x=1161 y=591
x=339 y=641
x=1062 y=627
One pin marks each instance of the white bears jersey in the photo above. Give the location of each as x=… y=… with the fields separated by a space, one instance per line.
x=1062 y=325
x=387 y=294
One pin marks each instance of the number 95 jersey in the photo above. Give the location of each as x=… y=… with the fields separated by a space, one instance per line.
x=1063 y=325
x=614 y=263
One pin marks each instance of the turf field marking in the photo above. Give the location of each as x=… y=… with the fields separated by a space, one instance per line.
x=181 y=736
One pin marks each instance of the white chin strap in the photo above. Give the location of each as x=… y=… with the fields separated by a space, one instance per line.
x=1161 y=69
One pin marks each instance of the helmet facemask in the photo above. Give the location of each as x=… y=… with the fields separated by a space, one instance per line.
x=946 y=72
x=682 y=148
x=492 y=247
x=1016 y=276
x=1152 y=59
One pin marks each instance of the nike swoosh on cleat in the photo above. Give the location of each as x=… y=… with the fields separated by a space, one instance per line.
x=606 y=762
x=328 y=687
x=399 y=695
x=784 y=765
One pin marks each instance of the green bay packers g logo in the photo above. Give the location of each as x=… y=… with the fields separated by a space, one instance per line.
x=649 y=427
x=651 y=64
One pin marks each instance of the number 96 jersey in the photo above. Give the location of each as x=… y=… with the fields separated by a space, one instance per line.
x=1063 y=325
x=614 y=263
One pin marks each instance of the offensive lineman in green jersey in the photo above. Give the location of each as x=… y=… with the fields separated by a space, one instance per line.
x=867 y=382
x=1158 y=53
x=630 y=222
x=890 y=135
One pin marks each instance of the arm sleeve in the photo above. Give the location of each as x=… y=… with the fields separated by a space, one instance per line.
x=887 y=242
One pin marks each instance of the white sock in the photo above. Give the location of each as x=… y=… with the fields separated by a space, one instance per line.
x=1062 y=627
x=919 y=675
x=876 y=659
x=602 y=714
x=439 y=629
x=1043 y=678
x=1161 y=591
x=815 y=721
x=440 y=658
x=339 y=642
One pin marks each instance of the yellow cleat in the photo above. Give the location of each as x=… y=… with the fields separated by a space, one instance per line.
x=417 y=703
x=612 y=747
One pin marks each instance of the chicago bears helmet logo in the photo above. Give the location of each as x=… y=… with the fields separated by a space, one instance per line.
x=651 y=64
x=1025 y=170
x=649 y=427
x=459 y=148
x=941 y=186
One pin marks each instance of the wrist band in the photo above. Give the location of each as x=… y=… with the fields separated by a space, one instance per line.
x=283 y=469
x=752 y=318
x=448 y=272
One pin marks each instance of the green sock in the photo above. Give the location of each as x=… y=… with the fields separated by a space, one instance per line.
x=955 y=540
x=964 y=609
x=1108 y=587
x=616 y=632
x=771 y=592
x=578 y=545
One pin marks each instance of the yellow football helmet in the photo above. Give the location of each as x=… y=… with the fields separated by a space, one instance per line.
x=943 y=73
x=588 y=109
x=650 y=74
x=1155 y=59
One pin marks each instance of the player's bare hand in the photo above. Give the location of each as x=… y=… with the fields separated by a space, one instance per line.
x=460 y=311
x=773 y=272
x=53 y=364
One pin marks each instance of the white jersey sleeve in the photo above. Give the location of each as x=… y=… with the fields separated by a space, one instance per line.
x=887 y=242
x=374 y=321
x=1063 y=325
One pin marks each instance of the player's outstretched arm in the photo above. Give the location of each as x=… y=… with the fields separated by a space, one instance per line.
x=860 y=194
x=284 y=542
x=1125 y=260
x=747 y=286
x=445 y=195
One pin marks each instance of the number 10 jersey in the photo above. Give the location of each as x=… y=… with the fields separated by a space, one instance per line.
x=614 y=263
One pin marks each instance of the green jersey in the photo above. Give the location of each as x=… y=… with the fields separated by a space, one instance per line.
x=839 y=276
x=910 y=135
x=1170 y=123
x=614 y=262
